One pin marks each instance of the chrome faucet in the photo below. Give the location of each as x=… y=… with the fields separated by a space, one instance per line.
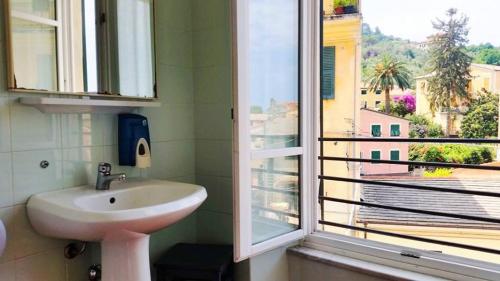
x=104 y=176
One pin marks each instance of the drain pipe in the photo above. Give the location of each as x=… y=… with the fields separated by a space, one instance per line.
x=74 y=249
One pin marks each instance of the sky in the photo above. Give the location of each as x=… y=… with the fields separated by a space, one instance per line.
x=413 y=19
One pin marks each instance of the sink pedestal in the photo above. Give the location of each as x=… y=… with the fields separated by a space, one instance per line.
x=125 y=257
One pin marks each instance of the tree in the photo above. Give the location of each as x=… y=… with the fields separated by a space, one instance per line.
x=450 y=65
x=387 y=74
x=481 y=119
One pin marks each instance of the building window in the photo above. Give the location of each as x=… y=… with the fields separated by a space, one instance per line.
x=395 y=130
x=395 y=155
x=375 y=154
x=364 y=92
x=377 y=104
x=376 y=130
x=328 y=73
x=378 y=92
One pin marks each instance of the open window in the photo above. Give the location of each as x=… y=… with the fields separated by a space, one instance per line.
x=270 y=125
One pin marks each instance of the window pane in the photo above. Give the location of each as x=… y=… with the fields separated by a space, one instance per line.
x=135 y=48
x=41 y=8
x=34 y=68
x=274 y=73
x=275 y=197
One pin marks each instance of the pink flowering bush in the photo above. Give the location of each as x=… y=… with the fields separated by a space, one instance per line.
x=405 y=104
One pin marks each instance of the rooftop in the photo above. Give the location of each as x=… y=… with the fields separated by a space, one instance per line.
x=445 y=202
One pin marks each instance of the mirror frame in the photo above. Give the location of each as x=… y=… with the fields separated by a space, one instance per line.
x=104 y=95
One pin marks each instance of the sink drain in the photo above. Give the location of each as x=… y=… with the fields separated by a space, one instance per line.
x=112 y=200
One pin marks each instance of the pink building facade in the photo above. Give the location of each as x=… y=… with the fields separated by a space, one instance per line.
x=381 y=125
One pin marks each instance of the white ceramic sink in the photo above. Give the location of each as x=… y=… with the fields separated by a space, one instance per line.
x=3 y=238
x=121 y=218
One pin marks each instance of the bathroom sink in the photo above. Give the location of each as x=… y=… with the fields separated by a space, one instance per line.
x=120 y=218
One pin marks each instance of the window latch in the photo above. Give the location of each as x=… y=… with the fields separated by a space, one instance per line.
x=410 y=254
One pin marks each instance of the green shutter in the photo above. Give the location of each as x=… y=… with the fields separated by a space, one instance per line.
x=376 y=131
x=395 y=130
x=328 y=73
x=375 y=155
x=395 y=155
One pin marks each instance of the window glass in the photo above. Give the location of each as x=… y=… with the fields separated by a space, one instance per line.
x=40 y=8
x=376 y=130
x=378 y=92
x=275 y=197
x=274 y=73
x=395 y=130
x=364 y=92
x=34 y=68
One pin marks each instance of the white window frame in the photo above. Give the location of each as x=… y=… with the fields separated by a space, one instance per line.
x=390 y=130
x=242 y=153
x=57 y=23
x=64 y=44
x=431 y=263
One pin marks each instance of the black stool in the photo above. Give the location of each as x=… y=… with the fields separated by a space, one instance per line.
x=196 y=262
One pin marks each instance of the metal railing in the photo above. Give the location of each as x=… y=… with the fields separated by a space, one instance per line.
x=413 y=186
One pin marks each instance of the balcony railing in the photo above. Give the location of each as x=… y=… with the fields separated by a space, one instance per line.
x=432 y=213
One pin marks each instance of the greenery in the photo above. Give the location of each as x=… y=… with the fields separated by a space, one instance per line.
x=344 y=3
x=438 y=173
x=421 y=127
x=485 y=54
x=451 y=153
x=376 y=45
x=450 y=65
x=415 y=55
x=481 y=119
x=387 y=74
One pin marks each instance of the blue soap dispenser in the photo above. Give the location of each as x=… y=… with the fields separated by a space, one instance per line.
x=133 y=140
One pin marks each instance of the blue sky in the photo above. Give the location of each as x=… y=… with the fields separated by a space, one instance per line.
x=412 y=19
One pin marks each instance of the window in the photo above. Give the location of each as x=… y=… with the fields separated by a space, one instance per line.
x=376 y=130
x=377 y=104
x=328 y=73
x=377 y=212
x=364 y=92
x=376 y=155
x=395 y=155
x=395 y=130
x=63 y=33
x=269 y=125
x=36 y=21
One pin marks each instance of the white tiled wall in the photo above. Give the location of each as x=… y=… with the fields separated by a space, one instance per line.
x=74 y=144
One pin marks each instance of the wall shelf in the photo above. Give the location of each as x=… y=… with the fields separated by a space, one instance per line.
x=76 y=105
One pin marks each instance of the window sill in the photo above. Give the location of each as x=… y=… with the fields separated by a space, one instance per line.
x=388 y=260
x=356 y=265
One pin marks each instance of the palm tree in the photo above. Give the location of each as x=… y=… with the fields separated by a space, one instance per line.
x=387 y=74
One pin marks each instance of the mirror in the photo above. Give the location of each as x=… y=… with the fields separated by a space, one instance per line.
x=81 y=46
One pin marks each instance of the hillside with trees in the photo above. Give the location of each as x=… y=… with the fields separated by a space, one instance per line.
x=414 y=54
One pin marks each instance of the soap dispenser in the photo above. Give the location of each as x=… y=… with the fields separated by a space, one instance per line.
x=133 y=141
